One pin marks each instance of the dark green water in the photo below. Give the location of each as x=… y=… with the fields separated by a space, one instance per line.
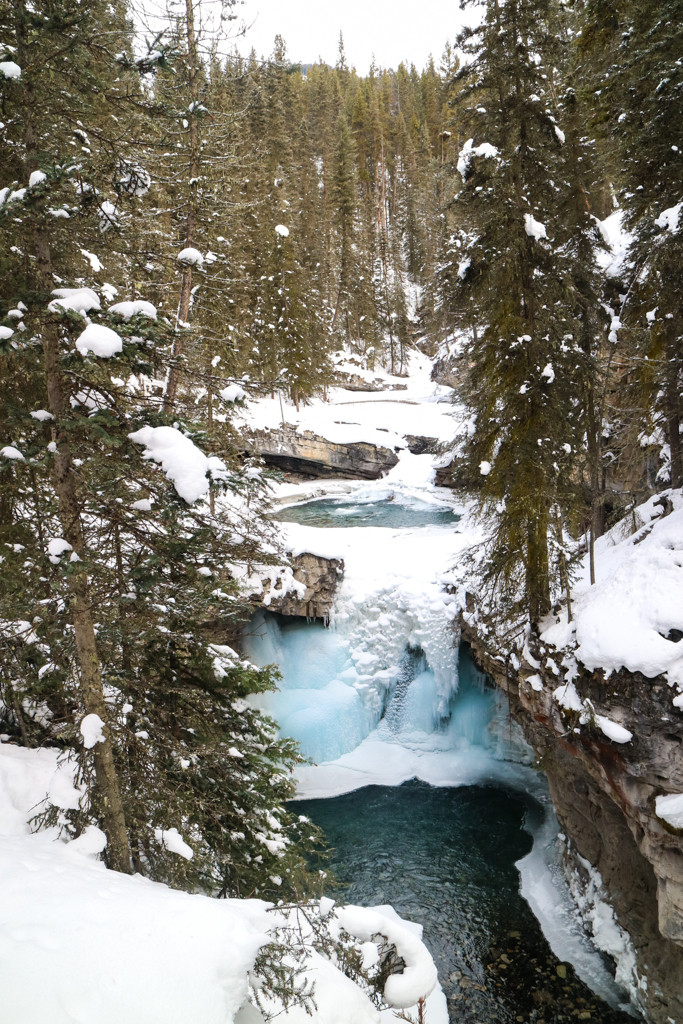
x=387 y=512
x=445 y=858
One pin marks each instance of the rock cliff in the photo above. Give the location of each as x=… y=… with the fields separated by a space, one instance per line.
x=604 y=794
x=309 y=455
x=306 y=588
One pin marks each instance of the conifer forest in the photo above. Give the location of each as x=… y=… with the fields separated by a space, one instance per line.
x=185 y=229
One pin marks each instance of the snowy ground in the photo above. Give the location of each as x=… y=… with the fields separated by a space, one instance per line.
x=625 y=619
x=382 y=418
x=83 y=945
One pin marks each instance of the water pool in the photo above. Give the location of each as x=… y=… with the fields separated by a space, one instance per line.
x=393 y=512
x=446 y=858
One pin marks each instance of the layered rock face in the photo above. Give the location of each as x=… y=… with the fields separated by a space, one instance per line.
x=316 y=580
x=309 y=455
x=604 y=795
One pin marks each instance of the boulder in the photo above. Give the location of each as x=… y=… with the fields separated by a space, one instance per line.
x=305 y=588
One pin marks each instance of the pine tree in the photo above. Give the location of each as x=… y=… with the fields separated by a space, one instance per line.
x=344 y=198
x=116 y=592
x=528 y=370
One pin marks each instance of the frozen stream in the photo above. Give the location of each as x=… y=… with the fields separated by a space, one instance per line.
x=384 y=697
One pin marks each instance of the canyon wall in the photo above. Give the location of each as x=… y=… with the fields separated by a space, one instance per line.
x=604 y=795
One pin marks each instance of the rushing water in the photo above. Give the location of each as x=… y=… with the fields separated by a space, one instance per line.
x=391 y=511
x=446 y=858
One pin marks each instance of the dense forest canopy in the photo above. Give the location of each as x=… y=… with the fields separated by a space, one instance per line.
x=181 y=229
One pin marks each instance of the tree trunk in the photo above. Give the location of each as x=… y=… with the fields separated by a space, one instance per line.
x=183 y=316
x=106 y=795
x=673 y=406
x=537 y=574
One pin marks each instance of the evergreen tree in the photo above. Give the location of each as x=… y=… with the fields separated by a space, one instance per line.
x=643 y=85
x=528 y=370
x=116 y=592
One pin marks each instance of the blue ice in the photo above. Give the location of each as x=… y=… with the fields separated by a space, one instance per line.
x=323 y=705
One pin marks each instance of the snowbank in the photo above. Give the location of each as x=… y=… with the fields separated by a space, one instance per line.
x=109 y=947
x=626 y=620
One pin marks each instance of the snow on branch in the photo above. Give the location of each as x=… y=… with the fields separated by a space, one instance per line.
x=185 y=465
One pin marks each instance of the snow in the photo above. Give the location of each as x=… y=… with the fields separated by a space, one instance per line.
x=418 y=978
x=469 y=150
x=670 y=809
x=56 y=547
x=423 y=408
x=612 y=730
x=566 y=933
x=91 y=730
x=42 y=415
x=190 y=257
x=91 y=842
x=548 y=372
x=81 y=300
x=463 y=267
x=109 y=947
x=8 y=69
x=185 y=465
x=670 y=219
x=137 y=307
x=617 y=240
x=233 y=393
x=485 y=467
x=12 y=453
x=534 y=228
x=100 y=340
x=95 y=264
x=172 y=840
x=282 y=230
x=36 y=178
x=568 y=698
x=623 y=621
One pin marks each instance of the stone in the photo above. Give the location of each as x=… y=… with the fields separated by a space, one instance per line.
x=319 y=576
x=309 y=455
x=445 y=475
x=604 y=796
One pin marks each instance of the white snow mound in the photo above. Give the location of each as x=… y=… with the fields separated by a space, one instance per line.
x=185 y=465
x=137 y=307
x=99 y=340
